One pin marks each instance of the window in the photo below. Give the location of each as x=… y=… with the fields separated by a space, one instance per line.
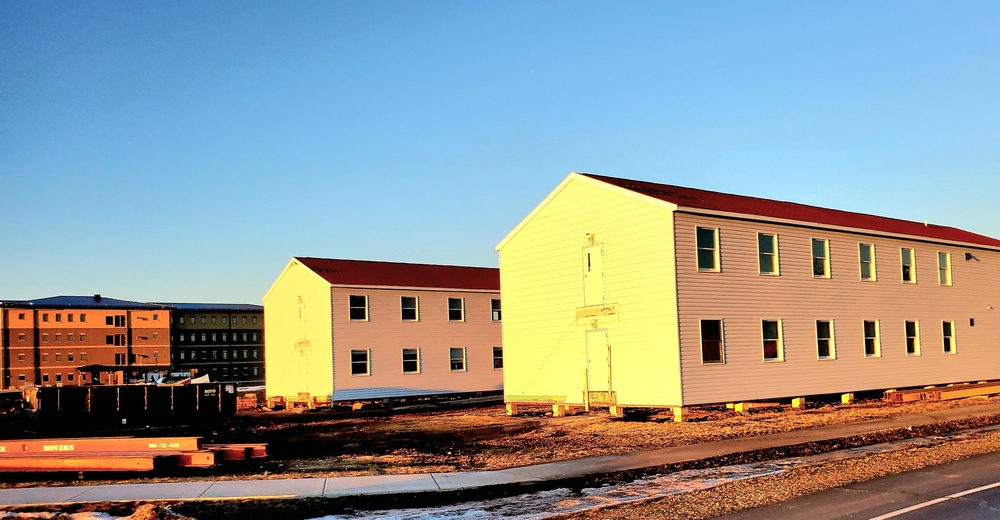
x=872 y=348
x=69 y=356
x=45 y=358
x=69 y=377
x=456 y=309
x=767 y=253
x=83 y=356
x=254 y=335
x=214 y=337
x=213 y=320
x=359 y=363
x=181 y=320
x=203 y=320
x=20 y=316
x=712 y=347
x=708 y=249
x=411 y=361
x=45 y=338
x=457 y=359
x=944 y=268
x=119 y=359
x=255 y=319
x=245 y=336
x=69 y=317
x=69 y=337
x=948 y=334
x=45 y=378
x=912 y=338
x=495 y=305
x=58 y=337
x=204 y=337
x=408 y=308
x=225 y=319
x=83 y=336
x=225 y=354
x=906 y=261
x=45 y=316
x=20 y=377
x=771 y=333
x=58 y=317
x=821 y=258
x=245 y=319
x=83 y=318
x=109 y=320
x=824 y=340
x=156 y=317
x=20 y=356
x=59 y=356
x=497 y=358
x=358 y=305
x=866 y=255
x=20 y=336
x=58 y=378
x=182 y=355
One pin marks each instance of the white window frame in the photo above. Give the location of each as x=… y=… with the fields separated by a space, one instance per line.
x=948 y=339
x=916 y=338
x=944 y=271
x=368 y=362
x=717 y=266
x=861 y=271
x=351 y=307
x=465 y=359
x=416 y=308
x=495 y=349
x=496 y=309
x=722 y=342
x=912 y=264
x=403 y=355
x=780 y=351
x=826 y=257
x=877 y=340
x=775 y=255
x=461 y=309
x=832 y=343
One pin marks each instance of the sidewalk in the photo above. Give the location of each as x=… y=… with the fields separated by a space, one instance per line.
x=549 y=475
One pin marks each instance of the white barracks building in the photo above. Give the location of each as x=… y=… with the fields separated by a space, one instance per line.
x=621 y=293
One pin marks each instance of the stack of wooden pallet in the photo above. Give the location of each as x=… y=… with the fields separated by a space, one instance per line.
x=119 y=453
x=943 y=393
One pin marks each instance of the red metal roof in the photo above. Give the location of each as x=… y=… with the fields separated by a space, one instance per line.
x=753 y=206
x=393 y=274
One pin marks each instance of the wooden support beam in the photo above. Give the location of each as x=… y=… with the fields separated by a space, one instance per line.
x=558 y=410
x=847 y=398
x=680 y=414
x=616 y=411
x=799 y=403
x=512 y=409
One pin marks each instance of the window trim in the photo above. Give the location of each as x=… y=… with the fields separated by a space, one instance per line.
x=951 y=345
x=722 y=342
x=944 y=270
x=775 y=256
x=495 y=349
x=916 y=338
x=826 y=257
x=368 y=362
x=416 y=308
x=912 y=264
x=877 y=340
x=717 y=265
x=351 y=307
x=461 y=309
x=832 y=342
x=496 y=310
x=780 y=351
x=861 y=263
x=465 y=359
x=403 y=358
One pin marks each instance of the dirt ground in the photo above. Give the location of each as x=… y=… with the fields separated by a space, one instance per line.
x=325 y=444
x=328 y=444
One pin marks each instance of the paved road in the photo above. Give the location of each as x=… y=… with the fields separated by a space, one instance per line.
x=967 y=489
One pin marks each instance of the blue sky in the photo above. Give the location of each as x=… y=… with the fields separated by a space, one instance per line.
x=183 y=151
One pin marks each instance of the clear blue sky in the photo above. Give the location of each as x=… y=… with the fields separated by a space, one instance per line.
x=185 y=151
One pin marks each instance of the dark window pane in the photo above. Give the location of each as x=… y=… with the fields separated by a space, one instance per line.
x=819 y=248
x=869 y=329
x=765 y=243
x=766 y=263
x=906 y=273
x=866 y=271
x=946 y=327
x=823 y=347
x=706 y=238
x=706 y=259
x=770 y=329
x=911 y=328
x=770 y=349
x=819 y=266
